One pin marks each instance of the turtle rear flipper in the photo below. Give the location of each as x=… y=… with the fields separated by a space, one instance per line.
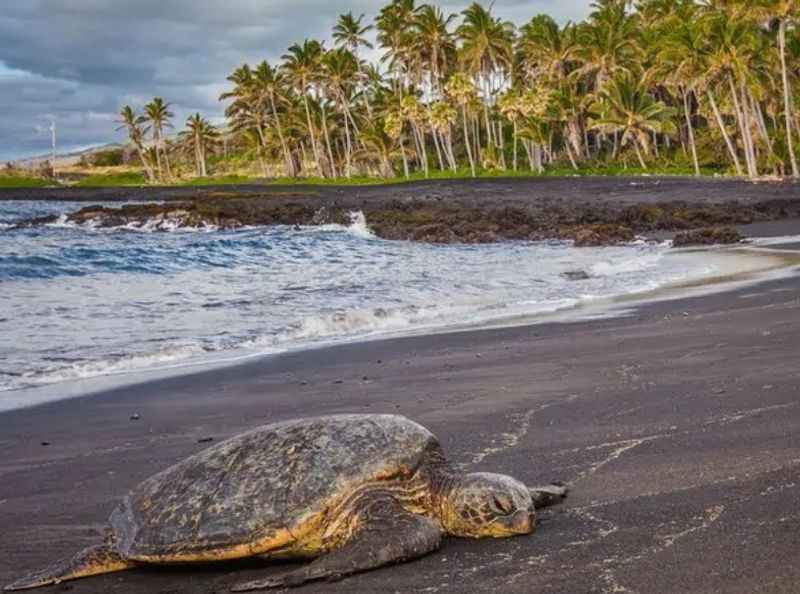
x=92 y=561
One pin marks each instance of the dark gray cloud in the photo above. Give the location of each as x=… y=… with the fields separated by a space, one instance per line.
x=80 y=60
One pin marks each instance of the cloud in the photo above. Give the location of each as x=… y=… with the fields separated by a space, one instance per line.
x=80 y=60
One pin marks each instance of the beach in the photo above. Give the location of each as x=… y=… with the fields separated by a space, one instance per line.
x=676 y=426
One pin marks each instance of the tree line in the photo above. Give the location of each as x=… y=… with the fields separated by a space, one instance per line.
x=709 y=83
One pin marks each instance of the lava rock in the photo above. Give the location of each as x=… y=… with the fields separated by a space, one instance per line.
x=712 y=236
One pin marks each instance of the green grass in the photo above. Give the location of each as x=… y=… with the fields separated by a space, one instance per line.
x=465 y=174
x=112 y=179
x=19 y=181
x=222 y=180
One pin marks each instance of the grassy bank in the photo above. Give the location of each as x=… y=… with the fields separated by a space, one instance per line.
x=134 y=178
x=19 y=181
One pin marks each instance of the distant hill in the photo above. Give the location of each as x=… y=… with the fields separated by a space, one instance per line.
x=63 y=159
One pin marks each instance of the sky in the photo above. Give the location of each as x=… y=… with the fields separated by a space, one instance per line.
x=79 y=61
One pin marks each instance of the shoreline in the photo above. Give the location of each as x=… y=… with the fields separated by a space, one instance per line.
x=740 y=266
x=672 y=445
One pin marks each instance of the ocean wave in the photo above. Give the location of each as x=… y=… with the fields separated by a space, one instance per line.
x=619 y=266
x=112 y=366
x=358 y=226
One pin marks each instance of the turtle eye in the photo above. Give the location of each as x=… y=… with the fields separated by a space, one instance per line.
x=502 y=504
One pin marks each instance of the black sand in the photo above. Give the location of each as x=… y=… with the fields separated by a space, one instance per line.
x=678 y=428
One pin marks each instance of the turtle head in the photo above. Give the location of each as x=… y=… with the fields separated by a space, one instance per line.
x=483 y=505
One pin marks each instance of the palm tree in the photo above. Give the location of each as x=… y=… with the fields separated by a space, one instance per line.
x=462 y=90
x=269 y=86
x=380 y=147
x=625 y=106
x=433 y=44
x=340 y=69
x=608 y=42
x=134 y=124
x=486 y=54
x=246 y=112
x=158 y=114
x=200 y=135
x=786 y=13
x=681 y=64
x=545 y=50
x=301 y=65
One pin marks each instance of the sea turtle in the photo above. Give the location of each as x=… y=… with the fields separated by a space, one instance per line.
x=351 y=492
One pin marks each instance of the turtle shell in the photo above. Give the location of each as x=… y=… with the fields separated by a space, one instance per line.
x=257 y=492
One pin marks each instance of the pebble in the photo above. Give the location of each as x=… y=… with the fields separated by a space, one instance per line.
x=205 y=440
x=135 y=417
x=338 y=382
x=45 y=443
x=767 y=387
x=718 y=391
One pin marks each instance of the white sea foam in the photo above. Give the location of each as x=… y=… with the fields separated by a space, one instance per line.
x=126 y=364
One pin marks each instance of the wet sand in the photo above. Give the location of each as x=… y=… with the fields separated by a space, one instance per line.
x=678 y=428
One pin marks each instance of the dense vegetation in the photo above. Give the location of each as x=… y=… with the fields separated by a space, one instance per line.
x=671 y=84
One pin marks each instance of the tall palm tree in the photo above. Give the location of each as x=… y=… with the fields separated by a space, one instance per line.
x=434 y=44
x=462 y=90
x=269 y=86
x=486 y=54
x=134 y=124
x=339 y=76
x=159 y=116
x=680 y=63
x=301 y=65
x=625 y=106
x=547 y=51
x=200 y=135
x=786 y=13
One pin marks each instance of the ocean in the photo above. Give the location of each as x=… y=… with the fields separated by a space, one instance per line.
x=79 y=302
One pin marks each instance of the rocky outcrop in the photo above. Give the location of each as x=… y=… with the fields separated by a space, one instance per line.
x=447 y=219
x=713 y=236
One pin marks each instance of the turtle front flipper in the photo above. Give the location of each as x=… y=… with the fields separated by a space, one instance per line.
x=92 y=561
x=387 y=534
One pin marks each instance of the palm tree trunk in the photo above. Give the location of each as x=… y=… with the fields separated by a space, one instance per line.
x=262 y=144
x=311 y=133
x=639 y=153
x=421 y=138
x=515 y=145
x=501 y=145
x=690 y=128
x=450 y=153
x=284 y=147
x=743 y=128
x=328 y=141
x=403 y=153
x=728 y=141
x=438 y=149
x=467 y=140
x=527 y=144
x=145 y=163
x=167 y=167
x=787 y=99
x=157 y=143
x=348 y=146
